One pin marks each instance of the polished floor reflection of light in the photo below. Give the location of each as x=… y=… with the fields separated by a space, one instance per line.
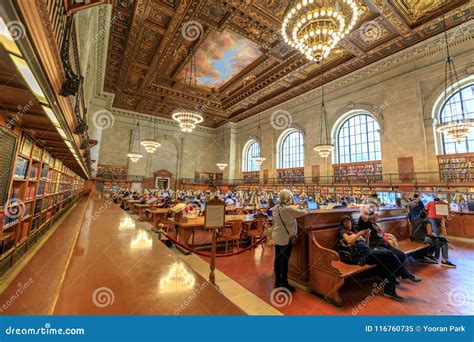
x=178 y=279
x=127 y=223
x=141 y=241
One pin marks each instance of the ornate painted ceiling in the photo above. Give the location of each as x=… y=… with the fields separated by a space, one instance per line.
x=243 y=66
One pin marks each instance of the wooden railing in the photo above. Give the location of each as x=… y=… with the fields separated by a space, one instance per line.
x=57 y=17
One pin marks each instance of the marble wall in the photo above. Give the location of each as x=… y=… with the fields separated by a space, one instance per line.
x=180 y=154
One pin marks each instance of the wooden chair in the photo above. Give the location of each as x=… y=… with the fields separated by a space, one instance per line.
x=256 y=229
x=243 y=212
x=231 y=232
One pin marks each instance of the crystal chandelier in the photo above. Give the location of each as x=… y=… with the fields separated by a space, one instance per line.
x=135 y=155
x=259 y=159
x=189 y=118
x=459 y=126
x=151 y=144
x=324 y=148
x=221 y=166
x=315 y=27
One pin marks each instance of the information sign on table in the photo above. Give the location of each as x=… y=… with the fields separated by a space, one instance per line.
x=442 y=209
x=215 y=214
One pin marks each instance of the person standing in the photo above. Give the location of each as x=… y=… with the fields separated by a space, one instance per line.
x=284 y=232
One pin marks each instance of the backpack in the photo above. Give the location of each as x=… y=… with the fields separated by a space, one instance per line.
x=350 y=254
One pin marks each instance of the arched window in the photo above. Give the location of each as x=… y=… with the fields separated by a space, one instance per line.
x=251 y=150
x=459 y=102
x=291 y=150
x=358 y=139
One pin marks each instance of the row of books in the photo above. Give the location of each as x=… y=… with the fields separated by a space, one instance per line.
x=30 y=192
x=21 y=168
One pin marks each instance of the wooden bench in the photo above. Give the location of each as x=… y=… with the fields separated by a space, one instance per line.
x=328 y=272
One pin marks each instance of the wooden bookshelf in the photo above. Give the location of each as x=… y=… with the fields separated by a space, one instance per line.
x=456 y=168
x=112 y=171
x=41 y=189
x=251 y=177
x=208 y=177
x=290 y=175
x=363 y=172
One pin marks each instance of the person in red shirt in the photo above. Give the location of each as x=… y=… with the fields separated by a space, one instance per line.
x=437 y=221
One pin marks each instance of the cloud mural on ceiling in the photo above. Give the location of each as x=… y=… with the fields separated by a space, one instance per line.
x=221 y=56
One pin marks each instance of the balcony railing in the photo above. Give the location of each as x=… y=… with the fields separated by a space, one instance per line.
x=120 y=177
x=389 y=179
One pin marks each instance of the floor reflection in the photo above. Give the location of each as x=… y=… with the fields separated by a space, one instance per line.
x=141 y=241
x=178 y=279
x=127 y=223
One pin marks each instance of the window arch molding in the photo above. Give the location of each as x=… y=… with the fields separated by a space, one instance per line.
x=280 y=162
x=342 y=120
x=247 y=164
x=437 y=103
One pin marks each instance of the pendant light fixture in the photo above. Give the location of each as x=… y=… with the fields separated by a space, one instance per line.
x=324 y=148
x=315 y=27
x=221 y=166
x=259 y=159
x=134 y=153
x=459 y=125
x=151 y=143
x=189 y=118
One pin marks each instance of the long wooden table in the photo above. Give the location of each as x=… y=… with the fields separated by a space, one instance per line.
x=184 y=230
x=141 y=208
x=126 y=202
x=158 y=215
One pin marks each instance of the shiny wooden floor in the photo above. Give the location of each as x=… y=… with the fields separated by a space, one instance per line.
x=116 y=267
x=100 y=261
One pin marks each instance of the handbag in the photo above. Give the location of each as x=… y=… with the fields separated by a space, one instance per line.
x=349 y=254
x=292 y=238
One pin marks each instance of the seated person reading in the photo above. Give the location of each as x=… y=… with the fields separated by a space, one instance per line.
x=423 y=233
x=368 y=220
x=390 y=264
